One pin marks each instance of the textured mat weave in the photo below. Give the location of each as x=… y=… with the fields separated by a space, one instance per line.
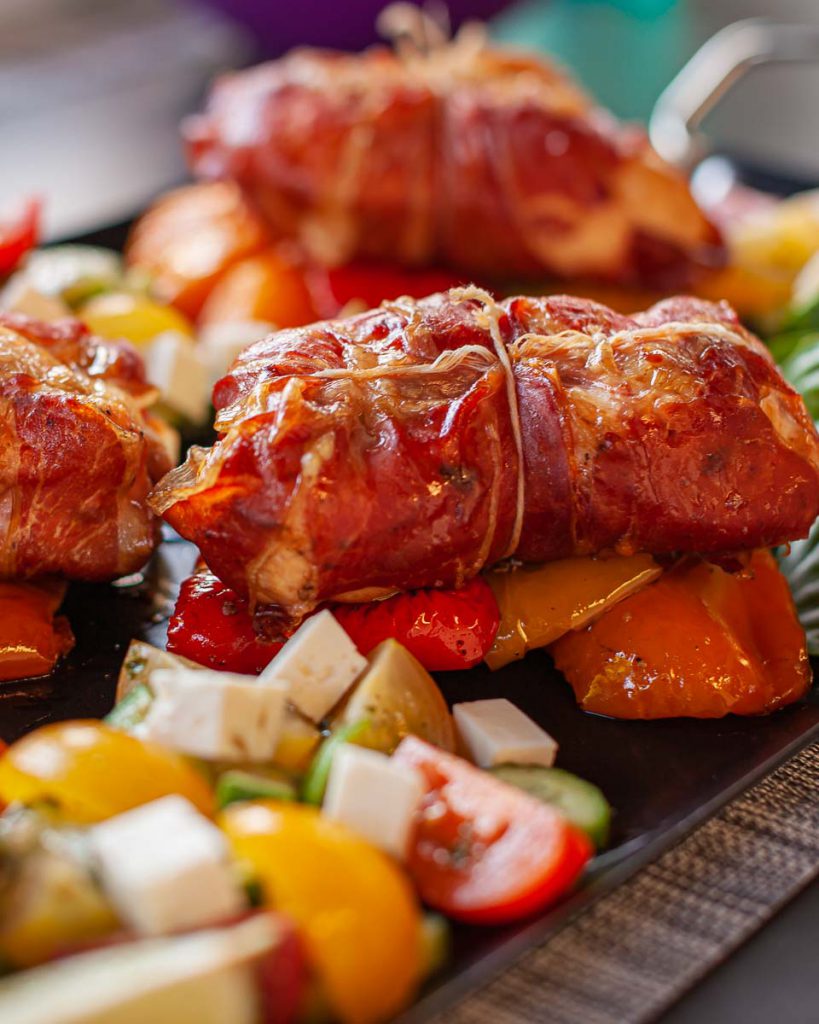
x=635 y=952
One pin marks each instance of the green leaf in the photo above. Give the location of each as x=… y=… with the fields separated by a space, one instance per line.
x=802 y=318
x=798 y=358
x=796 y=350
x=800 y=567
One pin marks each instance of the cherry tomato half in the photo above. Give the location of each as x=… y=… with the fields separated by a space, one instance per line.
x=485 y=852
x=353 y=905
x=87 y=772
x=18 y=236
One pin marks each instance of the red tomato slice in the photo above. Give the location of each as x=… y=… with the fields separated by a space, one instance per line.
x=283 y=978
x=371 y=284
x=444 y=629
x=212 y=626
x=17 y=237
x=485 y=852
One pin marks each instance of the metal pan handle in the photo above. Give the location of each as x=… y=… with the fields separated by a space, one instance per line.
x=712 y=71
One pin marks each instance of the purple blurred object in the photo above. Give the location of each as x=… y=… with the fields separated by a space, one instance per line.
x=278 y=26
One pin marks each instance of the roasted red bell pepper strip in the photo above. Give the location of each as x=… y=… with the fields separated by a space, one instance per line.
x=444 y=629
x=18 y=236
x=212 y=626
x=370 y=284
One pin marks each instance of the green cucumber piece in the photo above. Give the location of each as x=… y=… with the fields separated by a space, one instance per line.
x=436 y=943
x=131 y=710
x=582 y=803
x=74 y=273
x=236 y=785
x=315 y=781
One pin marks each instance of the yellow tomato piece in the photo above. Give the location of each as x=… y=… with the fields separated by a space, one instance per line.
x=538 y=604
x=89 y=772
x=136 y=318
x=752 y=291
x=298 y=741
x=52 y=905
x=397 y=697
x=783 y=238
x=354 y=906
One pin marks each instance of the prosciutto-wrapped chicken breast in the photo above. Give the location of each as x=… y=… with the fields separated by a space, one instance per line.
x=415 y=444
x=78 y=453
x=481 y=159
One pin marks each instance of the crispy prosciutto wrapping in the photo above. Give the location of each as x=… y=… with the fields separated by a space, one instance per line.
x=78 y=453
x=481 y=159
x=415 y=444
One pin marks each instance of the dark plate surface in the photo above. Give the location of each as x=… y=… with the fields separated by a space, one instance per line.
x=661 y=777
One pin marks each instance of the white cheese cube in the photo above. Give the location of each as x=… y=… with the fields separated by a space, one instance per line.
x=206 y=977
x=166 y=867
x=221 y=343
x=20 y=296
x=172 y=364
x=496 y=732
x=374 y=796
x=215 y=715
x=319 y=663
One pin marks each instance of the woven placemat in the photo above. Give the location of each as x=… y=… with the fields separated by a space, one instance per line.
x=635 y=952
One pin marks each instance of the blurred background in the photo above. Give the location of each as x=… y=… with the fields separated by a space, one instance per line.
x=89 y=108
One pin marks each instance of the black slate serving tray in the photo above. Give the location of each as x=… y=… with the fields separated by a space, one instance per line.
x=662 y=778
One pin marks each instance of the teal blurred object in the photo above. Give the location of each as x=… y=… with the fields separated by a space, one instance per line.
x=623 y=51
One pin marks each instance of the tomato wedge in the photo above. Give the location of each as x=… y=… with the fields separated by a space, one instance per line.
x=485 y=852
x=18 y=236
x=443 y=629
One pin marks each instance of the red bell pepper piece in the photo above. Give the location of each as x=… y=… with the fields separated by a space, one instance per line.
x=18 y=236
x=444 y=629
x=212 y=626
x=370 y=284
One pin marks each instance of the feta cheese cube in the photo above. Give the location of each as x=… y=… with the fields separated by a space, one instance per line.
x=221 y=343
x=173 y=365
x=20 y=296
x=319 y=663
x=166 y=867
x=496 y=732
x=374 y=796
x=215 y=715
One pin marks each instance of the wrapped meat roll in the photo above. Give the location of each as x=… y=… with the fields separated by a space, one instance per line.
x=79 y=453
x=482 y=159
x=413 y=445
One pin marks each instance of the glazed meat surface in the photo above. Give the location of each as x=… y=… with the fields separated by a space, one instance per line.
x=414 y=445
x=481 y=159
x=78 y=453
